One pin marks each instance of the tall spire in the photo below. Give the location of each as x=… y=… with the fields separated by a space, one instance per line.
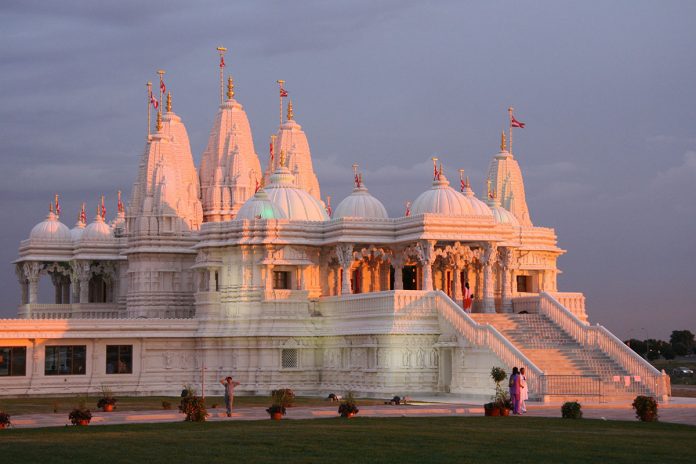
x=149 y=109
x=169 y=102
x=502 y=141
x=159 y=121
x=221 y=51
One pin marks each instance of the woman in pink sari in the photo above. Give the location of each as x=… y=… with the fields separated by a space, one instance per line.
x=515 y=390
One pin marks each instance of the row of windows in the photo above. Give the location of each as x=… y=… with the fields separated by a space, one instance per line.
x=66 y=360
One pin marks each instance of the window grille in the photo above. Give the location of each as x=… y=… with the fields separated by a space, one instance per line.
x=289 y=358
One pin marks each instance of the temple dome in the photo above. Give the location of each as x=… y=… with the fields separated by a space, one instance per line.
x=97 y=231
x=441 y=199
x=259 y=207
x=501 y=215
x=51 y=230
x=295 y=203
x=77 y=231
x=478 y=207
x=360 y=204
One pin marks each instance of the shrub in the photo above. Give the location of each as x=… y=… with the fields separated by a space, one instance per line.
x=107 y=397
x=80 y=414
x=5 y=419
x=348 y=405
x=646 y=408
x=571 y=410
x=193 y=406
x=281 y=399
x=166 y=405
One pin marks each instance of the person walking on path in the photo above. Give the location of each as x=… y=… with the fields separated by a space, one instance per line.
x=524 y=391
x=515 y=390
x=229 y=385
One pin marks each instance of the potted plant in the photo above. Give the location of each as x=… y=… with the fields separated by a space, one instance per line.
x=646 y=408
x=192 y=405
x=501 y=404
x=281 y=399
x=348 y=407
x=4 y=420
x=80 y=415
x=107 y=402
x=571 y=410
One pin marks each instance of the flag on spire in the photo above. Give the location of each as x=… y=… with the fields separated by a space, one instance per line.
x=329 y=210
x=257 y=187
x=103 y=208
x=222 y=60
x=408 y=209
x=270 y=150
x=57 y=206
x=83 y=214
x=283 y=92
x=154 y=101
x=163 y=88
x=119 y=204
x=515 y=123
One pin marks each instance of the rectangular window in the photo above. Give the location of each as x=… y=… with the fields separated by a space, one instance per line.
x=522 y=284
x=13 y=361
x=289 y=358
x=66 y=360
x=281 y=280
x=119 y=359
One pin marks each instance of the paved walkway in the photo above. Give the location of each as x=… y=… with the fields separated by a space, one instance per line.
x=679 y=410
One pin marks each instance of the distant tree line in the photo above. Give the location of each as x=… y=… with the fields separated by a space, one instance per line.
x=681 y=343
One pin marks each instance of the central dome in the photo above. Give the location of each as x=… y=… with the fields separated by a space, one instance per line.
x=360 y=204
x=441 y=199
x=295 y=203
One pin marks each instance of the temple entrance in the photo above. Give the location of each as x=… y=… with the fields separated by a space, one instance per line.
x=410 y=277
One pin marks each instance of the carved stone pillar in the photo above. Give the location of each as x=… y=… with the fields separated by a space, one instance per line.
x=65 y=285
x=488 y=259
x=425 y=250
x=24 y=285
x=508 y=262
x=32 y=272
x=57 y=281
x=397 y=260
x=84 y=274
x=457 y=285
x=344 y=253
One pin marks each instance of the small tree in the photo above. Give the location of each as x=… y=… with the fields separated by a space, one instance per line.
x=192 y=405
x=646 y=408
x=571 y=410
x=684 y=337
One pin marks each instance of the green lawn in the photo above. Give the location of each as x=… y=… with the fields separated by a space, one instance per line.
x=379 y=440
x=16 y=406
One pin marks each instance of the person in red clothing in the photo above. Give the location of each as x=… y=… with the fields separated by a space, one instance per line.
x=515 y=390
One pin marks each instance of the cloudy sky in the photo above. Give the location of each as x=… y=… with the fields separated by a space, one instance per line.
x=607 y=90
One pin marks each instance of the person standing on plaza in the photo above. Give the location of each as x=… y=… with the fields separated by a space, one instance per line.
x=515 y=390
x=524 y=391
x=468 y=297
x=229 y=385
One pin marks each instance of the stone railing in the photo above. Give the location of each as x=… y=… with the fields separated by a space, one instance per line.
x=599 y=337
x=70 y=311
x=487 y=336
x=286 y=295
x=573 y=302
x=393 y=301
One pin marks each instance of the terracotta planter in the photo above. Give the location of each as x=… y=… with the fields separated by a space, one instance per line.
x=4 y=426
x=83 y=422
x=350 y=415
x=494 y=411
x=504 y=412
x=108 y=407
x=277 y=416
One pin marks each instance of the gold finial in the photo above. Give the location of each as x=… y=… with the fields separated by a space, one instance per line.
x=159 y=121
x=169 y=102
x=282 y=158
x=291 y=114
x=262 y=184
x=50 y=207
x=502 y=141
x=230 y=88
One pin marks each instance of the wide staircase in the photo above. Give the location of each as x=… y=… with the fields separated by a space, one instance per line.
x=571 y=369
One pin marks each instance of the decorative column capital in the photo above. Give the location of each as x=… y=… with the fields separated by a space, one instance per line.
x=508 y=258
x=32 y=271
x=489 y=254
x=344 y=254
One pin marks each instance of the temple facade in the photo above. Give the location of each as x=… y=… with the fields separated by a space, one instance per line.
x=230 y=269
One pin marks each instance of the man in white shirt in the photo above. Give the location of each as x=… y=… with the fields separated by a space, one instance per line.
x=524 y=391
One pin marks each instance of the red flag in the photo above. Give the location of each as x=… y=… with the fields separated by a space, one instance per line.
x=283 y=92
x=57 y=206
x=103 y=208
x=271 y=150
x=408 y=209
x=515 y=123
x=154 y=101
x=357 y=180
x=462 y=185
x=222 y=61
x=163 y=88
x=256 y=189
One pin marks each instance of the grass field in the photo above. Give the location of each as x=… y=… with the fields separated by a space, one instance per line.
x=375 y=440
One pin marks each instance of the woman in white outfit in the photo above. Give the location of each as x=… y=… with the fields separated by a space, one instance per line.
x=524 y=391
